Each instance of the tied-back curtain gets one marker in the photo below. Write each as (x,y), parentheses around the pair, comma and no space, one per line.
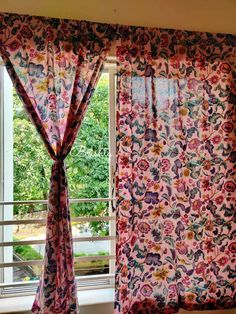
(54,65)
(176,175)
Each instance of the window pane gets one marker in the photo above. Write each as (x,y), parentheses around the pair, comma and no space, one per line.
(88,162)
(88,177)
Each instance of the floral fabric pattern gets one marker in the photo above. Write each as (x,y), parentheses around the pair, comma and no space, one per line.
(54,65)
(176,171)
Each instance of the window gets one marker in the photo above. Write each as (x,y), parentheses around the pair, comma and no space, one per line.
(25,172)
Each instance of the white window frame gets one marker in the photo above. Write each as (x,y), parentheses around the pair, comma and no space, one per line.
(8,288)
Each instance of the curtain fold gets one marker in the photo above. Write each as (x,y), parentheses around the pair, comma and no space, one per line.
(176,179)
(54,65)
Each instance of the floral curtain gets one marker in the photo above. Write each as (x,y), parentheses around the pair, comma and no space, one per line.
(54,65)
(176,174)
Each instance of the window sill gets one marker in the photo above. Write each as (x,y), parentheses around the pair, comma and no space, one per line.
(86,298)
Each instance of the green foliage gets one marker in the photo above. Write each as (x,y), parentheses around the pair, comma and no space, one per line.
(27,253)
(31,161)
(87,163)
(102,253)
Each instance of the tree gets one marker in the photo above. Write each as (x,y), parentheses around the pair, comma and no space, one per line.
(87,164)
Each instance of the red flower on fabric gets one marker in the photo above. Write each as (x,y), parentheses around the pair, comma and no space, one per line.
(223,261)
(124,160)
(144,227)
(225,68)
(124,271)
(207,165)
(216,139)
(201,267)
(26,32)
(122,225)
(208,244)
(219,200)
(232,247)
(146,290)
(14,45)
(230,186)
(194,143)
(214,79)
(228,127)
(196,204)
(143,164)
(206,184)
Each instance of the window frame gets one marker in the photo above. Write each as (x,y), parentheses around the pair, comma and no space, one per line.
(8,288)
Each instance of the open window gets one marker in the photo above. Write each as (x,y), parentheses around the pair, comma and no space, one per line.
(25,171)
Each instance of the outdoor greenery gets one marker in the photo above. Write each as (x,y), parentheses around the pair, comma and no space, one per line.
(87,164)
(27,253)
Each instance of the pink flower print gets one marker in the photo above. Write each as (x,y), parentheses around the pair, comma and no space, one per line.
(186,281)
(194,143)
(165,165)
(146,290)
(196,205)
(192,84)
(182,247)
(172,291)
(216,139)
(180,185)
(168,227)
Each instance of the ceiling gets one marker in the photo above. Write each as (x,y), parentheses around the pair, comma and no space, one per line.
(198,15)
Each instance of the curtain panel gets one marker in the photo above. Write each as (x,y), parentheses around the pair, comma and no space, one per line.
(54,65)
(176,173)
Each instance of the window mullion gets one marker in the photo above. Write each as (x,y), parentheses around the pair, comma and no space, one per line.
(112,159)
(7,170)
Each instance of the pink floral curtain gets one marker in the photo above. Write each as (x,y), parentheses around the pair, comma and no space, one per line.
(54,65)
(176,175)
